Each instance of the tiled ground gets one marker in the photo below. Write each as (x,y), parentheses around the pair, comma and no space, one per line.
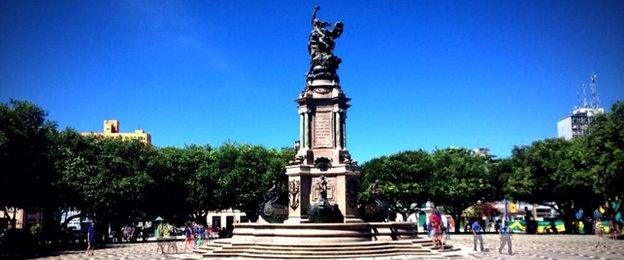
(543,247)
(525,247)
(124,251)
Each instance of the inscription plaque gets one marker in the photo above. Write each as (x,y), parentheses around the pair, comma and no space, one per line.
(323,129)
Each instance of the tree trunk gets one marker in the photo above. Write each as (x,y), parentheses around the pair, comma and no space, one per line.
(404,215)
(569,224)
(458,225)
(13,220)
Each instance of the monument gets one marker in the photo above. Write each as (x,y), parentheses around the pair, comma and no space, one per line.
(323,183)
(322,155)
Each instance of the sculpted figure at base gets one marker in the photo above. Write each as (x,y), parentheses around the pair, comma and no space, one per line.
(376,209)
(324,211)
(274,209)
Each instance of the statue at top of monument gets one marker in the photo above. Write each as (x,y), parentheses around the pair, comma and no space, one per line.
(321,43)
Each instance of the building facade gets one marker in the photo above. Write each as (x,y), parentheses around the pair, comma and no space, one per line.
(577,123)
(225,218)
(112,130)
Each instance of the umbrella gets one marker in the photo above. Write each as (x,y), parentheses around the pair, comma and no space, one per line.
(158,219)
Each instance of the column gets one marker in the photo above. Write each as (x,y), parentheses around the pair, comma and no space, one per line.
(306,122)
(338,126)
(301,132)
(344,130)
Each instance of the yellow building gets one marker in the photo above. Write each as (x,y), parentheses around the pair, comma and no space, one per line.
(111,130)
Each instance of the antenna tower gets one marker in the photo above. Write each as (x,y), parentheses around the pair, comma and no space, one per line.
(595,102)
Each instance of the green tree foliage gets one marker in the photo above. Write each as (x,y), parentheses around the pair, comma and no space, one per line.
(184,183)
(402,180)
(108,178)
(605,144)
(554,172)
(117,181)
(460,179)
(246,173)
(25,157)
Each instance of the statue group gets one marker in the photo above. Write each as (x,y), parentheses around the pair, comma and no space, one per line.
(321,43)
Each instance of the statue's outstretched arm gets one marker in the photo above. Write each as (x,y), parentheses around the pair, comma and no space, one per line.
(316,8)
(338,28)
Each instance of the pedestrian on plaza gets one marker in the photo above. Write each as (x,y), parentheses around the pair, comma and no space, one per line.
(446,228)
(436,228)
(476,234)
(222,233)
(209,232)
(159,234)
(451,224)
(188,236)
(598,229)
(613,229)
(505,238)
(172,245)
(497,226)
(90,238)
(199,235)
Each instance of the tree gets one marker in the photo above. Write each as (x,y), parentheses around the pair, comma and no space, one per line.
(25,159)
(605,144)
(402,180)
(184,183)
(553,172)
(246,173)
(107,179)
(460,179)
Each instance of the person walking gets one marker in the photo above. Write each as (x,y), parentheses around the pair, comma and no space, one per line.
(159,234)
(497,226)
(446,228)
(476,234)
(209,232)
(90,238)
(172,244)
(598,230)
(613,229)
(505,238)
(188,236)
(199,235)
(435,229)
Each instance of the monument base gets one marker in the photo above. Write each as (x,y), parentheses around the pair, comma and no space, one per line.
(323,241)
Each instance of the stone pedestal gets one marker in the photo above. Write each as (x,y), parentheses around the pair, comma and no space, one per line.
(322,153)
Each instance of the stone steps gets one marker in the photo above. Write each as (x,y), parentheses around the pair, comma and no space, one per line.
(393,249)
(210,246)
(360,251)
(354,250)
(323,250)
(320,245)
(328,256)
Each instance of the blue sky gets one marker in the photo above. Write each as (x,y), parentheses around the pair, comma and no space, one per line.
(422,74)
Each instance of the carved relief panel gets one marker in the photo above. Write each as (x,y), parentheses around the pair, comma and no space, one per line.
(293,193)
(315,194)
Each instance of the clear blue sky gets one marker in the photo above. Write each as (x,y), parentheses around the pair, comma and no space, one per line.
(422,74)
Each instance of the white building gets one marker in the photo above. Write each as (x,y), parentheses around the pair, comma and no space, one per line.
(577,123)
(225,218)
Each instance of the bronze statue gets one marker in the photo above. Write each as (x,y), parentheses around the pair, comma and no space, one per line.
(321,43)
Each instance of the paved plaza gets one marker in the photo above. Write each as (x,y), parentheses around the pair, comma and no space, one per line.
(543,247)
(525,247)
(125,251)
